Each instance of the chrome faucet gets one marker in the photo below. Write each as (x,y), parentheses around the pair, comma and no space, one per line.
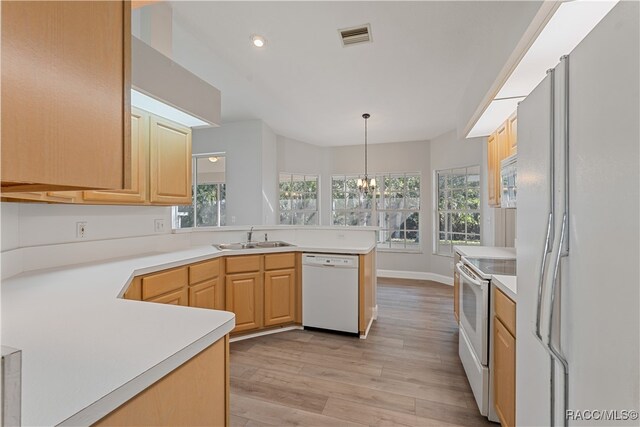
(250,234)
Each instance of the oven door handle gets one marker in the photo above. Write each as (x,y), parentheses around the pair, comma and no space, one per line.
(467,277)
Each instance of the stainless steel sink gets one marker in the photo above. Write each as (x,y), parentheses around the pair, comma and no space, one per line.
(277,244)
(251,245)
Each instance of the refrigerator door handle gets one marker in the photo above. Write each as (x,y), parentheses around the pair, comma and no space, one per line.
(543,269)
(557,355)
(548,245)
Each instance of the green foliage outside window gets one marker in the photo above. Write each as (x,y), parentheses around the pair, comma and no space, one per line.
(298,204)
(458,208)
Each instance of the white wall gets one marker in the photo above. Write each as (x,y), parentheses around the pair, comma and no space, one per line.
(449,151)
(270,196)
(250,167)
(503,41)
(34,224)
(302,158)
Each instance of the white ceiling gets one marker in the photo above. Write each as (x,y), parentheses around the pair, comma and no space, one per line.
(305,85)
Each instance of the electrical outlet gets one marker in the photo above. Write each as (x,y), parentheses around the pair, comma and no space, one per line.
(158,225)
(81,230)
(341,236)
(233,219)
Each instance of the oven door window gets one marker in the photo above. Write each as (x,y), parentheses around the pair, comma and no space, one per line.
(474,317)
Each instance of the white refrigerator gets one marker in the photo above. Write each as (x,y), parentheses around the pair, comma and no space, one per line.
(578,307)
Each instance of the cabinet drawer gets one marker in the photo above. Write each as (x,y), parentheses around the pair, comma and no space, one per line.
(243,264)
(163,282)
(279,261)
(505,310)
(204,271)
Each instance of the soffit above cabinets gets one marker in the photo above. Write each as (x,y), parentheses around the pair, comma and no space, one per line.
(155,76)
(569,24)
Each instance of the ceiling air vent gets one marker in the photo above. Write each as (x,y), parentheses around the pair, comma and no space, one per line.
(355,35)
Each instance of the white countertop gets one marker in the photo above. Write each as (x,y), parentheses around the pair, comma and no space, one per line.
(507,284)
(486,252)
(85,351)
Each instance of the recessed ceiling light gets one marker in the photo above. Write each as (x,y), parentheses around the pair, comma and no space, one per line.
(258,41)
(213,159)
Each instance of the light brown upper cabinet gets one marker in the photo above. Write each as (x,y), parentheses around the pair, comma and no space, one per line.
(513,134)
(137,192)
(65,95)
(493,170)
(170,143)
(170,166)
(500,145)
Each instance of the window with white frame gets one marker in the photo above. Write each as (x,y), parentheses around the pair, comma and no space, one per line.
(347,206)
(396,209)
(298,199)
(208,208)
(458,209)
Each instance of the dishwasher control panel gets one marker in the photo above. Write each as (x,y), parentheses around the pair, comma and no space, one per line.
(332,261)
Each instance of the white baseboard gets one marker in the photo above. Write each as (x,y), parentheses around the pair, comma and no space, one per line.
(268,332)
(416,275)
(366,332)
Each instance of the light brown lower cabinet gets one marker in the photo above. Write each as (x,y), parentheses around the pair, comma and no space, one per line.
(205,295)
(279,296)
(504,369)
(245,299)
(195,394)
(177,297)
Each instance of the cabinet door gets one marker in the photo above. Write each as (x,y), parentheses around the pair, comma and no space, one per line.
(244,298)
(279,296)
(170,162)
(493,174)
(504,373)
(177,297)
(513,134)
(65,95)
(137,193)
(206,295)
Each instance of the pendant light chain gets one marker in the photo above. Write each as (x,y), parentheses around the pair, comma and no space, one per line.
(365,147)
(365,185)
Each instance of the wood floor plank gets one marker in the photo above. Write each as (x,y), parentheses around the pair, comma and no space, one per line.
(352,365)
(236,421)
(451,414)
(406,373)
(358,394)
(279,415)
(259,361)
(350,411)
(294,398)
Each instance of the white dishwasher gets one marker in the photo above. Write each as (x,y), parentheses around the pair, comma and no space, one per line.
(330,292)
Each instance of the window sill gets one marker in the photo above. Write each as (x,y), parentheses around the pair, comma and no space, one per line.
(399,250)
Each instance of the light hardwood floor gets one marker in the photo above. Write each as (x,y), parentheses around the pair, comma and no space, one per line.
(407,372)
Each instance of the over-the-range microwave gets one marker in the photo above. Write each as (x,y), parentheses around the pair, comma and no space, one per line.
(509,181)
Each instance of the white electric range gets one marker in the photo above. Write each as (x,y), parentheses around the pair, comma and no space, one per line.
(475,324)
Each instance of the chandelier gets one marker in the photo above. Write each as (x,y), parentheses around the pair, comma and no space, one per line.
(366,185)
